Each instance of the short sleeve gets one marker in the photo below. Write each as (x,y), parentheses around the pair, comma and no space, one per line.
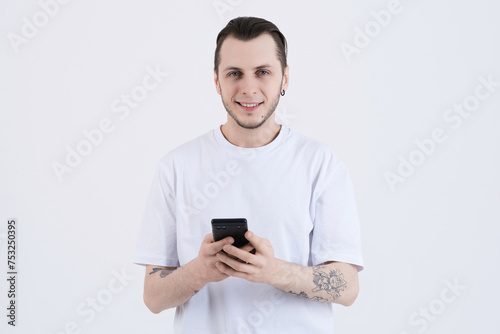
(336,234)
(156,244)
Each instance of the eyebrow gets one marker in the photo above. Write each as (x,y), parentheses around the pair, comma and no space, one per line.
(234,68)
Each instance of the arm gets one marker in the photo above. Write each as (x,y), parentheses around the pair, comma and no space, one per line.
(333,282)
(163,289)
(167,287)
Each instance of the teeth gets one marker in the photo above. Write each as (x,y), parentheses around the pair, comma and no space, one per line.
(249,105)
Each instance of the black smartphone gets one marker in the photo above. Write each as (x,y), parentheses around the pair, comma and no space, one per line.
(230,227)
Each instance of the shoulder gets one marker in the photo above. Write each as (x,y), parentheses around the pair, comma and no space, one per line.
(185,152)
(313,149)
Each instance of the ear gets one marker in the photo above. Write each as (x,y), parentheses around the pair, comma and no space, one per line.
(216,81)
(284,83)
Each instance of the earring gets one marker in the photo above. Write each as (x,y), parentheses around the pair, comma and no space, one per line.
(283,93)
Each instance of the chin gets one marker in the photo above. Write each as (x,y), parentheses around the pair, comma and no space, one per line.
(249,125)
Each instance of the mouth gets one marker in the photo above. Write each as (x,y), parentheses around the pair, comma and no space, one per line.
(250,106)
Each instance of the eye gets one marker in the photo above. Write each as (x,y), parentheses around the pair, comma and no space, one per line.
(233,74)
(263,72)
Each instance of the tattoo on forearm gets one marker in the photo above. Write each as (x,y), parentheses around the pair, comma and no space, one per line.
(319,299)
(163,272)
(304,295)
(332,282)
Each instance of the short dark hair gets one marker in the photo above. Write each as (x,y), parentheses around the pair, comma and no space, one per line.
(246,28)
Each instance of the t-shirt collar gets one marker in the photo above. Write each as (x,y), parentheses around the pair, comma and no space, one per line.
(221,140)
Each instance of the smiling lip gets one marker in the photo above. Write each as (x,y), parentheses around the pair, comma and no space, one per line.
(249,106)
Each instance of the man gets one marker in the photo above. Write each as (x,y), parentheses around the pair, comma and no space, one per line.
(304,250)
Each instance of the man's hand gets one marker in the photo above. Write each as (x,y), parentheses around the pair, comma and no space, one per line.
(259,267)
(165,288)
(331,282)
(204,264)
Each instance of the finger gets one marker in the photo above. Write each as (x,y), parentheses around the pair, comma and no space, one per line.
(235,265)
(231,256)
(208,238)
(261,245)
(248,248)
(225,269)
(216,246)
(243,255)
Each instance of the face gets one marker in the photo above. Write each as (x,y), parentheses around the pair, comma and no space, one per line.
(250,80)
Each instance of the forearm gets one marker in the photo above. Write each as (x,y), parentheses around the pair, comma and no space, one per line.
(164,289)
(335,282)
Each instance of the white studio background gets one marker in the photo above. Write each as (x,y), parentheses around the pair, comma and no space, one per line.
(409,100)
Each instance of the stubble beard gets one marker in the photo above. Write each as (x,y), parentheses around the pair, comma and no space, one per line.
(272,108)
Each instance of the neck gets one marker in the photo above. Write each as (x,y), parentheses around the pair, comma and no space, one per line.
(250,138)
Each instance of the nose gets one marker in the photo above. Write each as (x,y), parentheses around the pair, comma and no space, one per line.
(249,85)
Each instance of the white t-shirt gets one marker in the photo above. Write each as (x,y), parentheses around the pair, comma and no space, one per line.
(294,191)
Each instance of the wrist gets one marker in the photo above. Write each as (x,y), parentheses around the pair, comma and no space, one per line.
(197,282)
(281,278)
(288,276)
